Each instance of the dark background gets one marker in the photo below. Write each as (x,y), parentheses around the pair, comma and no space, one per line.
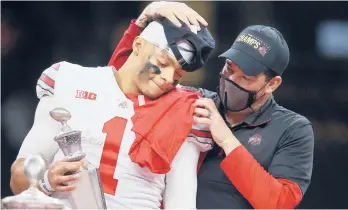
(34,35)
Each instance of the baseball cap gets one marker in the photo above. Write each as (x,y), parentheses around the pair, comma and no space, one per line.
(188,45)
(258,48)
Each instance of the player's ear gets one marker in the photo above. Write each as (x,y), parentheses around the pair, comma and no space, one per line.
(137,45)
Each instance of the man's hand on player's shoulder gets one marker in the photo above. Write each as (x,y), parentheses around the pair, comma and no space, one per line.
(174,11)
(206,113)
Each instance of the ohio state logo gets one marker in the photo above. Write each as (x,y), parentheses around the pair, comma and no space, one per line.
(255,139)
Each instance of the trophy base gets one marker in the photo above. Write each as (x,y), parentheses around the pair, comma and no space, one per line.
(31,199)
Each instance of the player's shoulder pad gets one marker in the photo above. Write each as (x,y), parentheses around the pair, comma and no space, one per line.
(201,136)
(46,83)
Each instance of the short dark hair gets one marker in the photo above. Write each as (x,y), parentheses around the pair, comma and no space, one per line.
(269,73)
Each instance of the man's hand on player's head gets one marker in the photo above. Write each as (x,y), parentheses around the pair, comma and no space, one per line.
(174,11)
(57,177)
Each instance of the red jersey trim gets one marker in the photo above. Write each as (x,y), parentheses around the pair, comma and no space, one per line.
(47,80)
(259,187)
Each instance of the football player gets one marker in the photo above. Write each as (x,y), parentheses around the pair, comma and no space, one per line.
(135,122)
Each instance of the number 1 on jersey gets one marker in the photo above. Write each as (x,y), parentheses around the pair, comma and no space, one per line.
(114,130)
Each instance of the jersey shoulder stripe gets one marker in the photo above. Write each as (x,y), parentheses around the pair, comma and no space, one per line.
(46,83)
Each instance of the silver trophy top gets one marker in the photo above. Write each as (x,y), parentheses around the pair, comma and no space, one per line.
(61,115)
(32,198)
(34,168)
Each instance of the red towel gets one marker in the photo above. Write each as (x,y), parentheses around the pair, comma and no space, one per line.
(161,127)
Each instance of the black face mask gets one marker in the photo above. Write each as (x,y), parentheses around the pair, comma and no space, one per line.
(235,98)
(203,43)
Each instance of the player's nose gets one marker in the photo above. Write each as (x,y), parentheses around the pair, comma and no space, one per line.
(167,76)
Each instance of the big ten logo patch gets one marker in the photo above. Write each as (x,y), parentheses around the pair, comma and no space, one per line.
(86,95)
(254,42)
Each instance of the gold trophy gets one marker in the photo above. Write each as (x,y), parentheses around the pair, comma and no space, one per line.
(89,191)
(32,198)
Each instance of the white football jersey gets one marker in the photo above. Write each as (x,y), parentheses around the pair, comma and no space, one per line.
(104,115)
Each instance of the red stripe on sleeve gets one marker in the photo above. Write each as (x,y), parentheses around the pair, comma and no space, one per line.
(259,187)
(47,80)
(200,133)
